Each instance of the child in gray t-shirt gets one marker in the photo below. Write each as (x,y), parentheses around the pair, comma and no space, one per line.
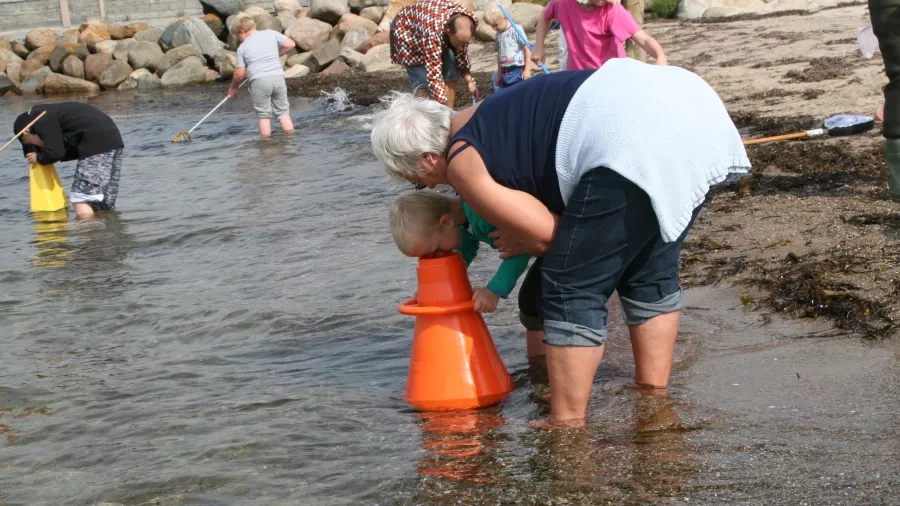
(513,55)
(258,61)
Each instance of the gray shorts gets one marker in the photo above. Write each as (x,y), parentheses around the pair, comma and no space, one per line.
(97,180)
(270,96)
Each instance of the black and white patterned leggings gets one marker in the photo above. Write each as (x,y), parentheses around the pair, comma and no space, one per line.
(97,180)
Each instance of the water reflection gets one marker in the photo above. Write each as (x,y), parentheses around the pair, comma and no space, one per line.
(50,239)
(457,446)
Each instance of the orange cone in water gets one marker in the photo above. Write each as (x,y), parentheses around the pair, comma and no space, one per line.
(454,364)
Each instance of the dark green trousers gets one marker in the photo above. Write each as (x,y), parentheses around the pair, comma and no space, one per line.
(886,25)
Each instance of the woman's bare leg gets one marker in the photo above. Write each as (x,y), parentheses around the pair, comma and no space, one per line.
(571,370)
(653,345)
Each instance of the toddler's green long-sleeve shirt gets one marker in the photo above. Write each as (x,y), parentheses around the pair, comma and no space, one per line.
(476,230)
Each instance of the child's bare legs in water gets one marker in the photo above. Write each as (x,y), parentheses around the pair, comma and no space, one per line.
(265,125)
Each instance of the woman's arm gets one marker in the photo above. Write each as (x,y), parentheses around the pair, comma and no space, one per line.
(649,44)
(511,211)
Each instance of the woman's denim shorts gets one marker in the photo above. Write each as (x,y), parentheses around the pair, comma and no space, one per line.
(607,240)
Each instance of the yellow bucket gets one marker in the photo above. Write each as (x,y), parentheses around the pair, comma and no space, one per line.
(46,191)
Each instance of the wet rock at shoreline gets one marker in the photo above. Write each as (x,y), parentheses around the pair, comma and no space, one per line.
(352,58)
(42,54)
(296,71)
(141,79)
(176,56)
(30,67)
(58,84)
(31,83)
(225,62)
(6,84)
(115,73)
(191,70)
(14,73)
(337,68)
(145,55)
(95,64)
(64,50)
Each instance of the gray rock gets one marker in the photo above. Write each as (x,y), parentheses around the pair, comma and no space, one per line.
(374,14)
(355,38)
(485,33)
(526,15)
(305,59)
(141,79)
(358,5)
(40,38)
(189,71)
(56,84)
(267,22)
(329,11)
(296,71)
(63,51)
(115,73)
(309,33)
(70,36)
(225,62)
(253,10)
(145,55)
(326,53)
(351,58)
(151,34)
(6,84)
(42,54)
(349,21)
(29,67)
(286,20)
(221,8)
(166,39)
(30,85)
(95,64)
(72,66)
(107,46)
(176,56)
(378,58)
(7,56)
(20,50)
(14,73)
(291,7)
(122,48)
(194,31)
(336,68)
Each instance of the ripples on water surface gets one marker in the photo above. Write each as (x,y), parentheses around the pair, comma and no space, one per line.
(230,336)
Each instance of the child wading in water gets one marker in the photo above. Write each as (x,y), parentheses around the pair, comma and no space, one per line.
(595,31)
(513,55)
(428,223)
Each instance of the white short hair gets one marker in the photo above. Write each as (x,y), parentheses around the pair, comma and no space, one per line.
(409,128)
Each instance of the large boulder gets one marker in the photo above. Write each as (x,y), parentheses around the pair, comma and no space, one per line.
(373,14)
(286,20)
(64,50)
(107,46)
(211,75)
(267,22)
(291,7)
(355,38)
(296,71)
(166,41)
(255,10)
(115,73)
(214,23)
(42,54)
(379,39)
(145,55)
(151,34)
(326,53)
(305,59)
(20,50)
(40,38)
(309,33)
(141,79)
(92,33)
(358,5)
(194,31)
(95,65)
(14,73)
(176,56)
(72,66)
(349,21)
(336,68)
(122,48)
(6,84)
(7,56)
(70,36)
(29,67)
(30,84)
(526,15)
(225,62)
(222,8)
(189,71)
(352,58)
(329,11)
(485,33)
(378,58)
(56,84)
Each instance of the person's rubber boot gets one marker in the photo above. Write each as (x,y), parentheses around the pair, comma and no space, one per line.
(892,154)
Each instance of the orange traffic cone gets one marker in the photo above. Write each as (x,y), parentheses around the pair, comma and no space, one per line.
(454,364)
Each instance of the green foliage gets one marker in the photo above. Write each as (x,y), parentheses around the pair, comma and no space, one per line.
(665,8)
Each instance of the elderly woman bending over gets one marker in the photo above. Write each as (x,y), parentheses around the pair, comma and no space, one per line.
(603,185)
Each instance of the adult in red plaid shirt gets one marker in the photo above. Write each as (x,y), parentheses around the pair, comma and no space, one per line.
(429,38)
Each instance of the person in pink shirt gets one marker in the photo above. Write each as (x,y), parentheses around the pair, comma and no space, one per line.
(595,31)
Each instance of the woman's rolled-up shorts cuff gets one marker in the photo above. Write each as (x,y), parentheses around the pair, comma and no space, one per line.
(531,322)
(637,312)
(571,334)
